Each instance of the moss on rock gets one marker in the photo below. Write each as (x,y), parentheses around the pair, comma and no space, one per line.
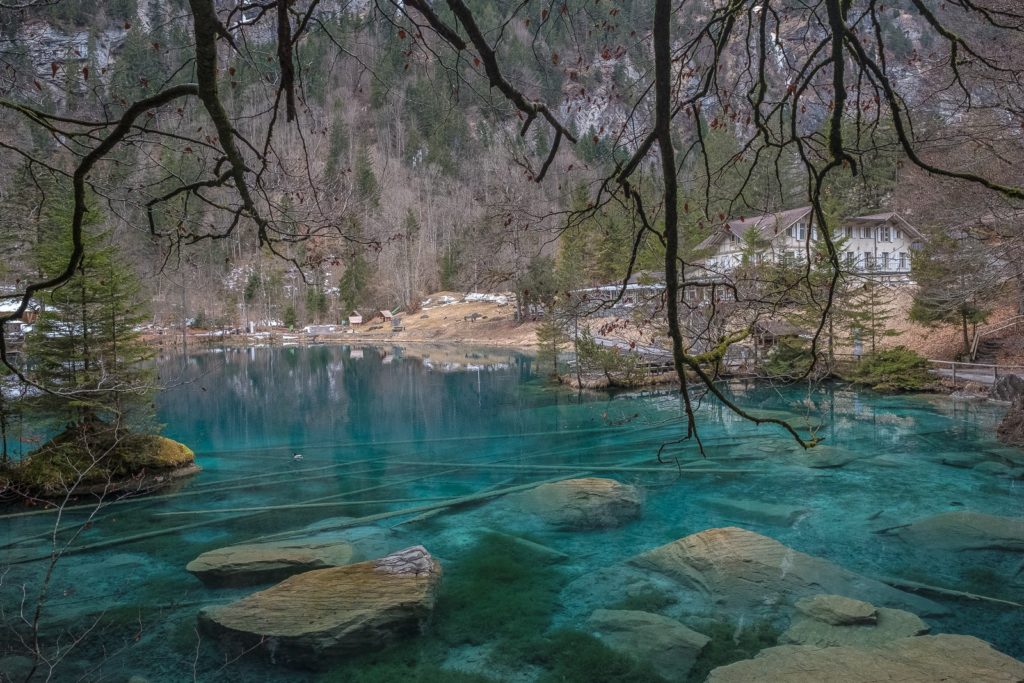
(83,458)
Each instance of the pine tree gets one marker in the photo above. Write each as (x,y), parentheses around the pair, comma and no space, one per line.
(869,311)
(353,283)
(367,189)
(85,347)
(957,283)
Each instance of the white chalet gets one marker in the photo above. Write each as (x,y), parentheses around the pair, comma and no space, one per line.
(879,245)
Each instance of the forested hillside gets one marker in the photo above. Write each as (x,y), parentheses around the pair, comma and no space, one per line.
(404,174)
(409,177)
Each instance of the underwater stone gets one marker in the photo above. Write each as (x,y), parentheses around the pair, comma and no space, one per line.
(823,457)
(922,659)
(838,610)
(996,468)
(669,647)
(317,547)
(832,620)
(739,570)
(245,565)
(756,511)
(962,460)
(587,503)
(543,553)
(312,619)
(965,530)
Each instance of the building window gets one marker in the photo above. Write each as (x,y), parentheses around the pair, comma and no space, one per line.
(885,260)
(904,261)
(869,260)
(897,234)
(814,234)
(849,259)
(797,231)
(849,233)
(691,294)
(885,234)
(865,233)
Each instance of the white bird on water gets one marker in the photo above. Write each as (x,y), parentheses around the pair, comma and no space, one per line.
(296,456)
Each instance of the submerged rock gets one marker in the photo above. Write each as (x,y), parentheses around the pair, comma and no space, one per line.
(923,659)
(756,511)
(543,553)
(313,618)
(838,610)
(965,530)
(244,565)
(253,563)
(996,468)
(823,457)
(587,503)
(961,460)
(832,620)
(739,570)
(669,647)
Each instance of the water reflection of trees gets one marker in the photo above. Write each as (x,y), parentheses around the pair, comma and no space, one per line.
(326,395)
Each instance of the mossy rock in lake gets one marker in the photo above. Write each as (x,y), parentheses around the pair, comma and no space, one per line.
(88,460)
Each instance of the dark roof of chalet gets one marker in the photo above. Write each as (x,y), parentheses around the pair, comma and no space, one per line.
(767,225)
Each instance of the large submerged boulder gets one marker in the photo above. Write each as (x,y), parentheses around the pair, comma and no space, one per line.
(964,530)
(923,659)
(254,563)
(833,620)
(669,647)
(587,503)
(244,565)
(755,511)
(739,570)
(319,616)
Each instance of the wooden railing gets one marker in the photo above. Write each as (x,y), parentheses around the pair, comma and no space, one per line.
(969,372)
(992,329)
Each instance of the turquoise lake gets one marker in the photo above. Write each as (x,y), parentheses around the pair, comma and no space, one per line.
(382,429)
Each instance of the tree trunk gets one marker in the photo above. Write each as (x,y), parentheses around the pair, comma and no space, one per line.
(967,344)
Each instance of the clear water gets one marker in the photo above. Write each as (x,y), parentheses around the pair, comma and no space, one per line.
(381,424)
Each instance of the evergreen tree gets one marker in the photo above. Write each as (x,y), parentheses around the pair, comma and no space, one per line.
(957,283)
(869,310)
(551,339)
(85,347)
(353,284)
(316,303)
(367,189)
(337,150)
